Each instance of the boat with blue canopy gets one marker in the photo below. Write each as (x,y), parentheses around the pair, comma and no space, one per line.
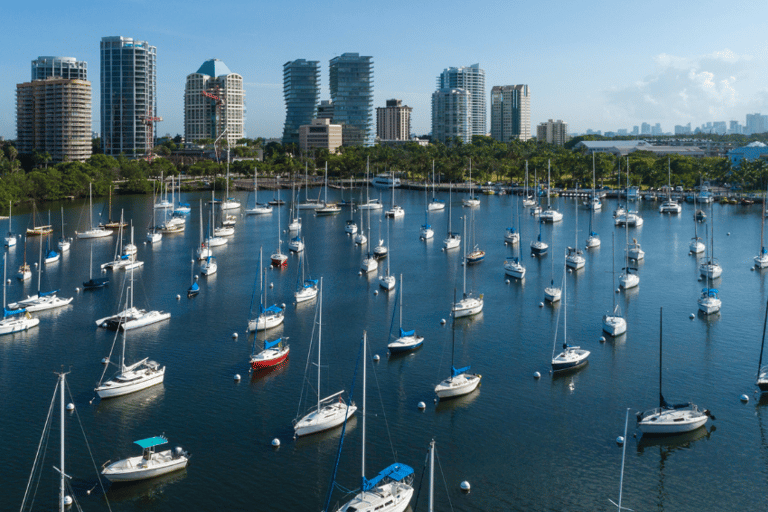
(408,340)
(149,464)
(274,353)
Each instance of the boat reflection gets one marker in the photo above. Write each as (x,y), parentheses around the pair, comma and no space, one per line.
(132,403)
(261,377)
(144,490)
(326,435)
(459,402)
(669,444)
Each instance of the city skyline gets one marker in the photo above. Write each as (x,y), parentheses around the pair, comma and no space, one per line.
(585,72)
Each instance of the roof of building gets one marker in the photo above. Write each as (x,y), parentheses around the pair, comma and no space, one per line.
(602,144)
(214,68)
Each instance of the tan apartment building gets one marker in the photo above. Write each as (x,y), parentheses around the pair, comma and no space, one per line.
(320,134)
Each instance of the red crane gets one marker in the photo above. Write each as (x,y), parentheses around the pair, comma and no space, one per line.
(149,121)
(217,102)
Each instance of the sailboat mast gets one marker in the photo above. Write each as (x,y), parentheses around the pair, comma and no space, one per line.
(464,250)
(365,368)
(62,491)
(661,396)
(526,179)
(431,475)
(326,184)
(453,336)
(565,309)
(319,345)
(401,302)
(549,183)
(40,267)
(90,203)
(613,268)
(762,226)
(623,455)
(762,346)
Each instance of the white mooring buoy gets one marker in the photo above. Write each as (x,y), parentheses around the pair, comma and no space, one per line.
(744,398)
(602,339)
(620,440)
(541,304)
(376,358)
(536,375)
(692,316)
(276,442)
(442,321)
(67,500)
(178,297)
(77,290)
(465,487)
(422,406)
(237,377)
(507,281)
(70,406)
(234,335)
(271,285)
(375,292)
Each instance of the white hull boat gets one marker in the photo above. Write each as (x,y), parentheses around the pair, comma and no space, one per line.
(468,306)
(133,378)
(149,465)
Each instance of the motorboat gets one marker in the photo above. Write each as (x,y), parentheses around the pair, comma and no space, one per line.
(709,302)
(151,463)
(268,316)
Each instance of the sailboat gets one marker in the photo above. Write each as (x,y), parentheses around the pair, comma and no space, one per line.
(274,353)
(396,211)
(133,377)
(382,250)
(539,247)
(435,204)
(571,357)
(709,302)
(550,214)
(761,260)
(229,203)
(129,255)
(670,419)
(392,488)
(164,202)
(369,204)
(360,237)
(552,293)
(93,284)
(593,240)
(620,210)
(36,230)
(94,232)
(306,288)
(18,320)
(426,232)
(670,205)
(351,227)
(370,263)
(64,243)
(177,222)
(468,305)
(408,340)
(574,258)
(452,240)
(513,266)
(151,463)
(153,233)
(476,255)
(327,208)
(613,323)
(536,207)
(258,208)
(294,221)
(210,266)
(635,251)
(512,235)
(42,300)
(627,279)
(593,203)
(629,217)
(279,259)
(194,288)
(528,200)
(471,202)
(709,266)
(181,208)
(132,317)
(308,204)
(51,256)
(762,373)
(24,272)
(111,224)
(387,281)
(329,412)
(119,260)
(460,382)
(296,244)
(10,238)
(268,317)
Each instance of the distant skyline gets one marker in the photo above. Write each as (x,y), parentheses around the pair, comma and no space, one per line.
(599,65)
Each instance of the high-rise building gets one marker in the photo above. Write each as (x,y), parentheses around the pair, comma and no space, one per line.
(645,129)
(325,110)
(393,122)
(472,80)
(128,96)
(756,123)
(553,132)
(635,130)
(214,101)
(62,67)
(656,129)
(301,91)
(451,115)
(510,113)
(54,116)
(351,84)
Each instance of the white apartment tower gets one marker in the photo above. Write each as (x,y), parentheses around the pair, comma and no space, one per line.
(451,115)
(393,122)
(553,132)
(510,113)
(472,80)
(214,101)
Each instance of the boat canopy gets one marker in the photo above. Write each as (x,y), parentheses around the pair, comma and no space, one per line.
(45,294)
(51,254)
(271,309)
(270,344)
(151,441)
(455,372)
(194,286)
(403,333)
(712,292)
(7,312)
(395,472)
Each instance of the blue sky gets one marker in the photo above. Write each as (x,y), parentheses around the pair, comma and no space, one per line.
(594,64)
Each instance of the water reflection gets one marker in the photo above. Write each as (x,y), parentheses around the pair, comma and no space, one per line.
(460,402)
(145,491)
(129,405)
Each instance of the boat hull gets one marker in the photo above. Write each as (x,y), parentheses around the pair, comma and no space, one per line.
(131,470)
(664,422)
(405,344)
(11,325)
(267,362)
(457,386)
(467,307)
(111,391)
(330,416)
(614,325)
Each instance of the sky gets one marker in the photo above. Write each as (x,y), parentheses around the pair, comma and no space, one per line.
(594,64)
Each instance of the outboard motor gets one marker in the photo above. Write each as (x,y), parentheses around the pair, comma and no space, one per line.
(707,412)
(178,452)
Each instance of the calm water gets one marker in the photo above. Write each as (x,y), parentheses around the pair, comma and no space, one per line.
(523,444)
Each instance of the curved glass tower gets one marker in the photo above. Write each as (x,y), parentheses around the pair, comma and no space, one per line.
(301,90)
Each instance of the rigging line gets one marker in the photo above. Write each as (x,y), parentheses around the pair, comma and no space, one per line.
(421,480)
(46,427)
(384,412)
(109,357)
(306,382)
(87,445)
(445,483)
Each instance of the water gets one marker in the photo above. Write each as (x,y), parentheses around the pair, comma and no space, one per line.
(522,443)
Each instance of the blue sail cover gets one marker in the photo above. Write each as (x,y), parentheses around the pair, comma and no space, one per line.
(51,254)
(195,287)
(403,333)
(712,292)
(271,309)
(45,294)
(395,472)
(455,372)
(124,257)
(309,283)
(151,441)
(7,312)
(270,344)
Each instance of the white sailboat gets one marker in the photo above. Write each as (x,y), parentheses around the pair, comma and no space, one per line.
(331,411)
(229,203)
(628,217)
(709,301)
(528,200)
(369,204)
(709,267)
(153,233)
(452,240)
(360,237)
(327,208)
(294,221)
(269,316)
(151,463)
(436,204)
(258,208)
(18,320)
(391,489)
(670,205)
(550,215)
(296,243)
(64,243)
(571,357)
(697,245)
(670,419)
(381,250)
(468,305)
(635,251)
(396,211)
(308,204)
(129,252)
(613,322)
(94,232)
(593,203)
(513,266)
(370,263)
(177,221)
(164,202)
(408,340)
(10,238)
(42,300)
(130,378)
(761,260)
(387,281)
(306,288)
(512,236)
(471,201)
(119,260)
(552,293)
(203,250)
(593,240)
(627,279)
(574,258)
(460,382)
(209,266)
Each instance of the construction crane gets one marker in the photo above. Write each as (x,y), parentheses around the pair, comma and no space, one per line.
(149,121)
(217,102)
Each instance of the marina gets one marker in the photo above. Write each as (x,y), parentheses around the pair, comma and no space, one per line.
(524,443)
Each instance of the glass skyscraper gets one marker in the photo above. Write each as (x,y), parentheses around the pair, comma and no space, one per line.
(128,95)
(62,67)
(471,79)
(351,84)
(301,90)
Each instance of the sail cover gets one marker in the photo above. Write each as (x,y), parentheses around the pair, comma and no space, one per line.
(395,472)
(404,334)
(455,372)
(270,344)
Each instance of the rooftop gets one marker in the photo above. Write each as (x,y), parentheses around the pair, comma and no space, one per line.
(214,68)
